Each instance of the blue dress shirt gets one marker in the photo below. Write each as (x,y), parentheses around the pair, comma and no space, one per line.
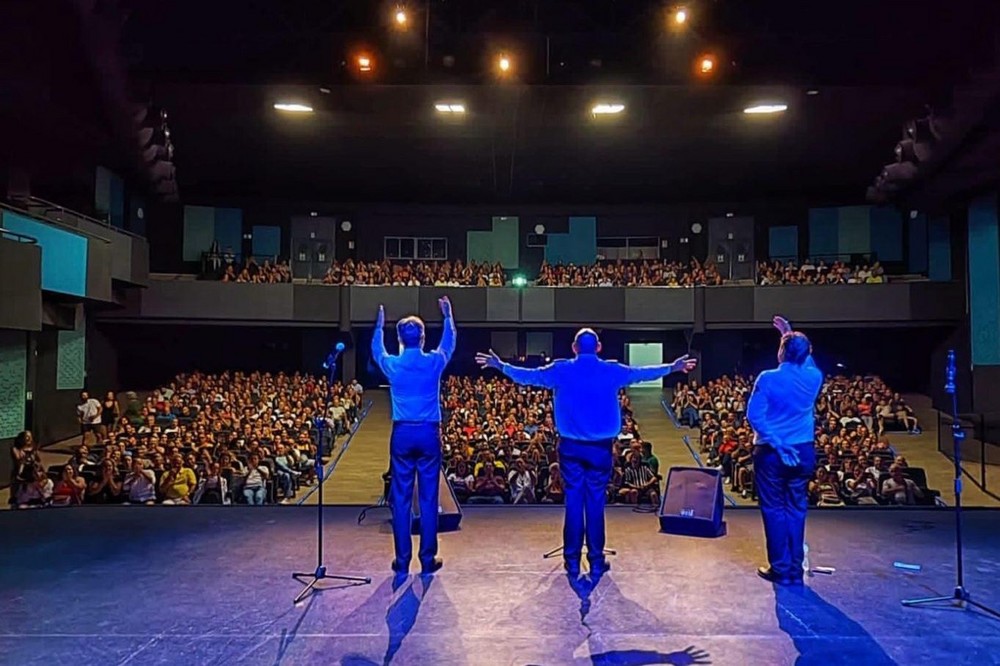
(782,405)
(585,392)
(415,376)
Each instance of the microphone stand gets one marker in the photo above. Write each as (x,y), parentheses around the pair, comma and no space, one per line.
(961,598)
(311,579)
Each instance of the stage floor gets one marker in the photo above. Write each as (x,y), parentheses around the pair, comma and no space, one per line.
(172,585)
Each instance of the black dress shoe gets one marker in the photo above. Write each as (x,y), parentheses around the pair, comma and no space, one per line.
(768,574)
(432,566)
(599,567)
(400,567)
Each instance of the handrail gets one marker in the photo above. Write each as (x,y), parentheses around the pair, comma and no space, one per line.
(58,223)
(20,238)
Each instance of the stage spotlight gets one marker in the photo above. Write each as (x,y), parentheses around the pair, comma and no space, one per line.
(705,64)
(400,18)
(607,109)
(450,107)
(680,16)
(293,107)
(765,109)
(364,63)
(503,64)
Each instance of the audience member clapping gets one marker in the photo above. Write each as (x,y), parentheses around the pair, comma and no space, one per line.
(269,272)
(416,274)
(818,273)
(642,273)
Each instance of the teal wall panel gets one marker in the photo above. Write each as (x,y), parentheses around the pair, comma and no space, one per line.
(13,373)
(939,249)
(71,360)
(854,234)
(886,233)
(266,241)
(229,228)
(823,235)
(917,243)
(984,279)
(577,246)
(199,231)
(783,243)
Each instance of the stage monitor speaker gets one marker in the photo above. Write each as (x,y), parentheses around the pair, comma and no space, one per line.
(692,504)
(449,510)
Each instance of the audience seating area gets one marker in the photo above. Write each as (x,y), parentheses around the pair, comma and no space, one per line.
(856,464)
(500,446)
(415,274)
(818,272)
(634,273)
(228,438)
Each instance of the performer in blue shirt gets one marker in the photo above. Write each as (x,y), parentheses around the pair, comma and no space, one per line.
(415,446)
(588,419)
(781,412)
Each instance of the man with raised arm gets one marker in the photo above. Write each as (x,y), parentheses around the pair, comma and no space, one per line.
(415,445)
(588,419)
(781,412)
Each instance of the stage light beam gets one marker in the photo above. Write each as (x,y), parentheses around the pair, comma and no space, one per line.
(680,16)
(400,17)
(293,107)
(504,63)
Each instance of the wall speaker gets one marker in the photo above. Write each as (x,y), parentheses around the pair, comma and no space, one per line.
(692,504)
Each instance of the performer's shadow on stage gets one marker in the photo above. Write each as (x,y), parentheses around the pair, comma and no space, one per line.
(822,633)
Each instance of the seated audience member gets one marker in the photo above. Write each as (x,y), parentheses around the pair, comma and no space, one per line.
(824,490)
(81,460)
(649,459)
(139,486)
(37,493)
(255,483)
(522,484)
(213,487)
(862,487)
(70,488)
(639,483)
(489,487)
(106,488)
(554,492)
(462,481)
(177,483)
(898,489)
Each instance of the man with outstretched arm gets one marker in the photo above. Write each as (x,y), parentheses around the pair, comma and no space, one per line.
(781,412)
(415,445)
(588,419)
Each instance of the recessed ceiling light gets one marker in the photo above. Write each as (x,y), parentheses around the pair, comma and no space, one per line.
(605,108)
(325,91)
(766,108)
(293,107)
(449,107)
(812,91)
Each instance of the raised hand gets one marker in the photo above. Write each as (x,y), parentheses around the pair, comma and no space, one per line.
(380,320)
(684,364)
(489,360)
(445,304)
(782,325)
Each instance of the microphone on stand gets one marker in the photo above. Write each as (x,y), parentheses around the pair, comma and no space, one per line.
(331,358)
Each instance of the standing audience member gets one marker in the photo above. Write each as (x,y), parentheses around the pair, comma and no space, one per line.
(25,459)
(88,413)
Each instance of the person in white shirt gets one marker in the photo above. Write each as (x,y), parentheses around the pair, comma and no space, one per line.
(140,484)
(37,493)
(88,413)
(898,489)
(521,483)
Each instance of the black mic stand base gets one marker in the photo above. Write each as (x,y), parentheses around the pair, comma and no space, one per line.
(559,549)
(311,579)
(961,599)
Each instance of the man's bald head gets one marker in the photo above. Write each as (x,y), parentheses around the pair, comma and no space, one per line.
(586,342)
(410,331)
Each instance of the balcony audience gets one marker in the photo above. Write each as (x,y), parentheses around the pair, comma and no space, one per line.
(415,274)
(638,273)
(818,273)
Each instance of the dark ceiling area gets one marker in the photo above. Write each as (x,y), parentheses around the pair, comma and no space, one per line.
(851,73)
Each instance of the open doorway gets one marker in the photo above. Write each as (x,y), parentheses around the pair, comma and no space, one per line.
(645,353)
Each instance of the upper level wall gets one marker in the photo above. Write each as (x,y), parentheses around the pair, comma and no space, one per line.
(702,307)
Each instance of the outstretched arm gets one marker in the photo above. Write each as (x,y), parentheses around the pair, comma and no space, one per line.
(785,328)
(378,339)
(645,373)
(447,346)
(543,377)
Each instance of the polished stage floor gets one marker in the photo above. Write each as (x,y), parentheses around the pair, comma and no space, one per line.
(172,585)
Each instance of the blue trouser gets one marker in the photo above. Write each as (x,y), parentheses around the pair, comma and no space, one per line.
(784,499)
(586,469)
(414,453)
(255,496)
